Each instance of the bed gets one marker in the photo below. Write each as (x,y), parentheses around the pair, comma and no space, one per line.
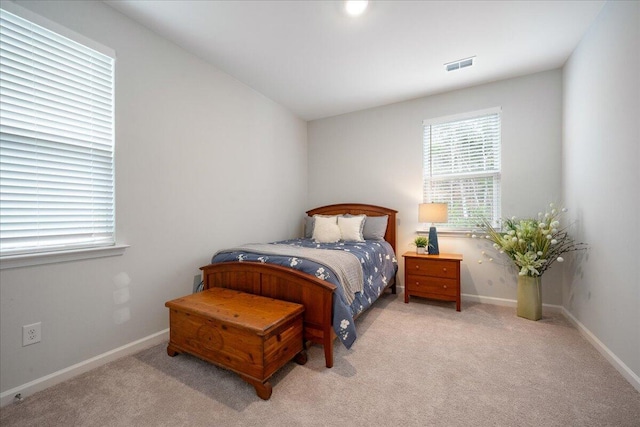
(329,313)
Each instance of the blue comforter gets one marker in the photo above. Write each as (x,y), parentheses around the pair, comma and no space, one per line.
(379,266)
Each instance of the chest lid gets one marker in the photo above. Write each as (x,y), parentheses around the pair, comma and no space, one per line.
(256,313)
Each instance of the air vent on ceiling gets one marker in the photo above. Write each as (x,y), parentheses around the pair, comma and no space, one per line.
(461,63)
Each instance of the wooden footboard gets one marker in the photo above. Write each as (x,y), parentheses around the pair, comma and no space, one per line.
(282,283)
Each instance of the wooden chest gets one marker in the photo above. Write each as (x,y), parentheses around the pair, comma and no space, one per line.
(251,335)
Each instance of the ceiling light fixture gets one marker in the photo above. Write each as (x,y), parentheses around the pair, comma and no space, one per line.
(356,7)
(460,63)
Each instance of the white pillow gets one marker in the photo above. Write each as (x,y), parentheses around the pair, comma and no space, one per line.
(351,228)
(325,229)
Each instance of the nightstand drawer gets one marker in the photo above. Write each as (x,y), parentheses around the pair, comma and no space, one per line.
(434,268)
(431,285)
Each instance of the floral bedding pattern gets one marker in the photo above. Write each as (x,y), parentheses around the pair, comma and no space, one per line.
(379,266)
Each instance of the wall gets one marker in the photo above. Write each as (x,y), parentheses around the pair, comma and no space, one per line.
(202,162)
(375,156)
(602,181)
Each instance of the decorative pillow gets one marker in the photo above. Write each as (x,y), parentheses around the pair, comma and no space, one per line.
(351,228)
(308,227)
(375,227)
(325,229)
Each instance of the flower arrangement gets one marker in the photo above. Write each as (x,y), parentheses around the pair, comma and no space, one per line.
(533,244)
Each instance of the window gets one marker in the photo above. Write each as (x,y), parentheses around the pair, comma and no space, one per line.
(56,141)
(462,167)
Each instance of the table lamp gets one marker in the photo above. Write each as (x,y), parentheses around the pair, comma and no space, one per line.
(432,212)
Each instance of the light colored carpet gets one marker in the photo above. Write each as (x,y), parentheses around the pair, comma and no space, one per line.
(416,364)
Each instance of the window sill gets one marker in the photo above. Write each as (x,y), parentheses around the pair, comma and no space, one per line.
(449,233)
(28,260)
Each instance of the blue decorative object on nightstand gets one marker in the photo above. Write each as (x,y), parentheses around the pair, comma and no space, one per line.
(433,242)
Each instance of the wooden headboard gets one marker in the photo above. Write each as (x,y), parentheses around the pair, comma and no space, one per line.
(359,209)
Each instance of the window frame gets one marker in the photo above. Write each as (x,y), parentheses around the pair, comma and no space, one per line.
(495,174)
(46,255)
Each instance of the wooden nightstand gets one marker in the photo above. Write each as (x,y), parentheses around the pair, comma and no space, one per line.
(432,276)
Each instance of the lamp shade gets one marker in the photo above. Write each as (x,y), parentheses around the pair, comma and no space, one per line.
(433,212)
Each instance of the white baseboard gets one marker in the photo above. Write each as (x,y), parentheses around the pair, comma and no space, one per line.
(506,302)
(624,370)
(488,300)
(82,367)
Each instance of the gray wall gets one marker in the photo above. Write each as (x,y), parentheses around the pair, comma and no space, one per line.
(375,156)
(602,180)
(202,162)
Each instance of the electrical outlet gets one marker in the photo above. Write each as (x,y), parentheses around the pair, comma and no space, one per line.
(31,334)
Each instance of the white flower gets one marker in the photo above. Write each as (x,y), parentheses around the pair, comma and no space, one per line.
(344,324)
(473,236)
(320,274)
(554,241)
(564,209)
(549,236)
(539,253)
(560,259)
(550,205)
(479,261)
(515,239)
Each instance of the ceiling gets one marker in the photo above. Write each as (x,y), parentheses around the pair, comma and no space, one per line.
(317,61)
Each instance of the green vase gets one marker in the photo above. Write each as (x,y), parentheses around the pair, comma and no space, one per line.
(529,297)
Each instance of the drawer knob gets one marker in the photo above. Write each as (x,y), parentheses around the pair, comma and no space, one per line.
(444,269)
(417,267)
(445,286)
(417,283)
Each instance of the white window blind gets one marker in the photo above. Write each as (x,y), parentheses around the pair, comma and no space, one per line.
(462,168)
(56,141)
